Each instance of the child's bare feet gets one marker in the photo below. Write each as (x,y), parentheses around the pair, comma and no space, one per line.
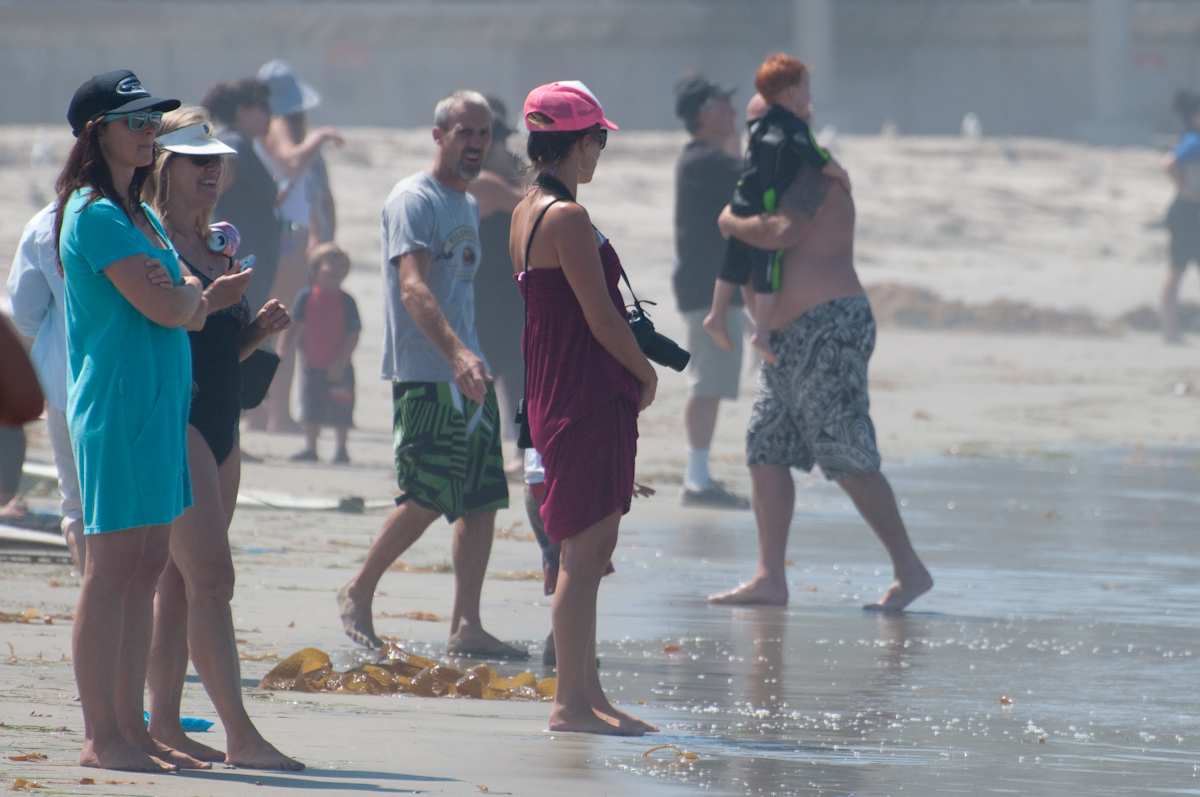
(714,325)
(760,344)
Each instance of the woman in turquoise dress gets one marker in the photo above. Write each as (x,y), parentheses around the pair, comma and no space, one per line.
(129,389)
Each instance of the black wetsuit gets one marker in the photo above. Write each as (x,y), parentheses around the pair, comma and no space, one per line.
(216,374)
(780,143)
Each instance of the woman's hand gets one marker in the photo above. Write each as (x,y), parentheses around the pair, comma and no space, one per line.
(157,275)
(272,318)
(649,389)
(228,289)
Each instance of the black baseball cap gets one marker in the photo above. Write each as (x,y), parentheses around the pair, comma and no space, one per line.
(692,92)
(118,91)
(501,129)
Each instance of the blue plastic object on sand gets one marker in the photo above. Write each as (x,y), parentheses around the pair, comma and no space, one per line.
(189,724)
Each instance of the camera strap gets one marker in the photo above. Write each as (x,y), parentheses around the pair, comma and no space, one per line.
(555,187)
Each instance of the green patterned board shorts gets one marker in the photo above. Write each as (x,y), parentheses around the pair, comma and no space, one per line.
(447,449)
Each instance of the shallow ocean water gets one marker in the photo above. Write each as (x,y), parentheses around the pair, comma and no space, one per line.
(1059,652)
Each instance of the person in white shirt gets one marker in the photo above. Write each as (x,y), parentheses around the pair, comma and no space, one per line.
(35,288)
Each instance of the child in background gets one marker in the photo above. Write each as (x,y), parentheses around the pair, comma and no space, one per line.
(781,142)
(325,325)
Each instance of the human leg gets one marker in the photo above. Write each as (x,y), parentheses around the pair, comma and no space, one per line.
(714,322)
(404,525)
(584,558)
(472,547)
(875,501)
(773,497)
(68,486)
(97,642)
(1170,305)
(200,549)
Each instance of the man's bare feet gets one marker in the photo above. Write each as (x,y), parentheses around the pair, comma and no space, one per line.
(471,640)
(903,591)
(260,754)
(760,344)
(564,720)
(120,754)
(176,739)
(715,327)
(356,620)
(755,592)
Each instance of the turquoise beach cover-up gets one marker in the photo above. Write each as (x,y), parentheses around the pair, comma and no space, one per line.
(130,380)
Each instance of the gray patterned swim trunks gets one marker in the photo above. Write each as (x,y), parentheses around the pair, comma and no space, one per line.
(812,406)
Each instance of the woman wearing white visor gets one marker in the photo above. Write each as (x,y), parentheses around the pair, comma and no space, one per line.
(191,608)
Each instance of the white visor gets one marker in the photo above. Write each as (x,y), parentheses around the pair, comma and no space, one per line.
(197,139)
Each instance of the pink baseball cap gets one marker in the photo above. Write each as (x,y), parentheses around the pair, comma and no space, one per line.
(564,106)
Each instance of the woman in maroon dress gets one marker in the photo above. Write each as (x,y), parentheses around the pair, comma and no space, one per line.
(586,381)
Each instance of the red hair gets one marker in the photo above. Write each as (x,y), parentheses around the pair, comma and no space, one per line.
(777,73)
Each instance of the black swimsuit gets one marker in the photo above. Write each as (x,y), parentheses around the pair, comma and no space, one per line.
(216,374)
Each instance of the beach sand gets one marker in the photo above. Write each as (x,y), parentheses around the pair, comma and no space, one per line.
(980,427)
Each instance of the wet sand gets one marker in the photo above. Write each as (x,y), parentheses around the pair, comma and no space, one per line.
(1065,583)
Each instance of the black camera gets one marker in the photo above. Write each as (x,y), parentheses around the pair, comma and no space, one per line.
(655,345)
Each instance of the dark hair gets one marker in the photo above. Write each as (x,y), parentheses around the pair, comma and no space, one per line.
(297,125)
(546,148)
(87,168)
(224,99)
(1186,104)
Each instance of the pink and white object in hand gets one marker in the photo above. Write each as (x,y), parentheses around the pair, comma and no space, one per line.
(223,238)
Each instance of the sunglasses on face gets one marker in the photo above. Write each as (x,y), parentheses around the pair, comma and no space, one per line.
(138,120)
(200,161)
(600,136)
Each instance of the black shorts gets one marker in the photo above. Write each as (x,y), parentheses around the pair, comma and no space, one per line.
(1183,224)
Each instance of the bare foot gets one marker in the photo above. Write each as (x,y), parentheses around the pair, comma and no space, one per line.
(564,720)
(715,327)
(176,739)
(903,591)
(161,752)
(119,754)
(471,640)
(260,754)
(755,592)
(356,620)
(605,708)
(15,509)
(763,348)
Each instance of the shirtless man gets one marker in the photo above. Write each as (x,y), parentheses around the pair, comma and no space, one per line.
(813,407)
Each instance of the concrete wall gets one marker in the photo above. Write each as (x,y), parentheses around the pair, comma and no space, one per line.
(1022,65)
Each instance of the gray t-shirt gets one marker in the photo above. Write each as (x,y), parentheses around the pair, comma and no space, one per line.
(423,214)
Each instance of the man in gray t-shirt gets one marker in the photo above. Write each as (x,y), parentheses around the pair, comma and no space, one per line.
(445,417)
(425,215)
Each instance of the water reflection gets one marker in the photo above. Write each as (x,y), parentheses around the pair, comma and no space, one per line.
(1066,584)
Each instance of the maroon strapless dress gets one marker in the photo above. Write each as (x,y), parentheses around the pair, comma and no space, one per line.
(581,403)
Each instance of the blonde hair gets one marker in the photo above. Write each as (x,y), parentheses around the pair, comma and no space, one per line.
(157,190)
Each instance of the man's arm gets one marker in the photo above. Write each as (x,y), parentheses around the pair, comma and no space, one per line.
(469,373)
(785,229)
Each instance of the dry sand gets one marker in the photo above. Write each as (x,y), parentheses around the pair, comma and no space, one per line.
(1061,231)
